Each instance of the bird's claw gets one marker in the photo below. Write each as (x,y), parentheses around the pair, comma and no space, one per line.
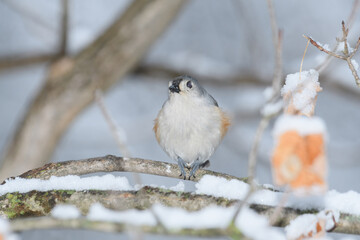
(181,164)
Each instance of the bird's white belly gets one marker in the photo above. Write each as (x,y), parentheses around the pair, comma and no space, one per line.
(189,132)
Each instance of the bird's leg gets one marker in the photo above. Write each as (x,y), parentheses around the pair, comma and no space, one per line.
(194,167)
(181,164)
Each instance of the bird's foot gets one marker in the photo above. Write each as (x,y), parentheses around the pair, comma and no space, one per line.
(181,164)
(194,167)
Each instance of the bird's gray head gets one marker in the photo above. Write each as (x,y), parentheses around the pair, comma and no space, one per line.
(188,86)
(184,85)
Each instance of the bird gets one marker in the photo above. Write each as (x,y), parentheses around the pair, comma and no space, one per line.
(190,125)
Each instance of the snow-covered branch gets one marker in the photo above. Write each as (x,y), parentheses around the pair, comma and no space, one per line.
(36,203)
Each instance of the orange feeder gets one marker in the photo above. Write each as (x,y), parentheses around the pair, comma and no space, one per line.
(299,160)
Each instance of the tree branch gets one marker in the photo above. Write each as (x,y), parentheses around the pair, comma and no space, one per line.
(31,204)
(13,61)
(112,163)
(64,28)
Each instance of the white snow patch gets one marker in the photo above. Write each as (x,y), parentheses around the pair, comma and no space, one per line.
(248,221)
(341,48)
(320,58)
(65,212)
(268,93)
(306,223)
(106,182)
(303,224)
(168,170)
(180,187)
(220,187)
(256,226)
(302,90)
(235,189)
(209,217)
(325,45)
(355,64)
(272,108)
(136,217)
(302,124)
(5,231)
(344,202)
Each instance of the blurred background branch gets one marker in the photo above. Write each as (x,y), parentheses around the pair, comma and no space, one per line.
(71,83)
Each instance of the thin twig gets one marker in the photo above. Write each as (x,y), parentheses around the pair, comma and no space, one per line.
(275,216)
(29,15)
(323,49)
(64,28)
(302,60)
(121,144)
(351,17)
(241,204)
(346,55)
(254,149)
(276,86)
(355,49)
(14,61)
(350,20)
(277,36)
(110,121)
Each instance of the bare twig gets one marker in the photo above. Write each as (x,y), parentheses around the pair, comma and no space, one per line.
(12,61)
(275,216)
(241,204)
(64,27)
(347,55)
(254,149)
(355,49)
(29,15)
(276,86)
(122,145)
(354,9)
(302,60)
(277,36)
(110,121)
(323,49)
(350,20)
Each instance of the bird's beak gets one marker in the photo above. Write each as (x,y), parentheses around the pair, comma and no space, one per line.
(174,87)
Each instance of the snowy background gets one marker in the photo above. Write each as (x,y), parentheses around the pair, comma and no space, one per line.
(211,38)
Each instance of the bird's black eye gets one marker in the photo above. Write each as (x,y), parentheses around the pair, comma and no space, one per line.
(189,84)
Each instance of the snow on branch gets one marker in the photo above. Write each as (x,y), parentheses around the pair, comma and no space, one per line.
(22,197)
(38,204)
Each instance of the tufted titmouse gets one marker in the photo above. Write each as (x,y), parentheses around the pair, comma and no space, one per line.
(190,125)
